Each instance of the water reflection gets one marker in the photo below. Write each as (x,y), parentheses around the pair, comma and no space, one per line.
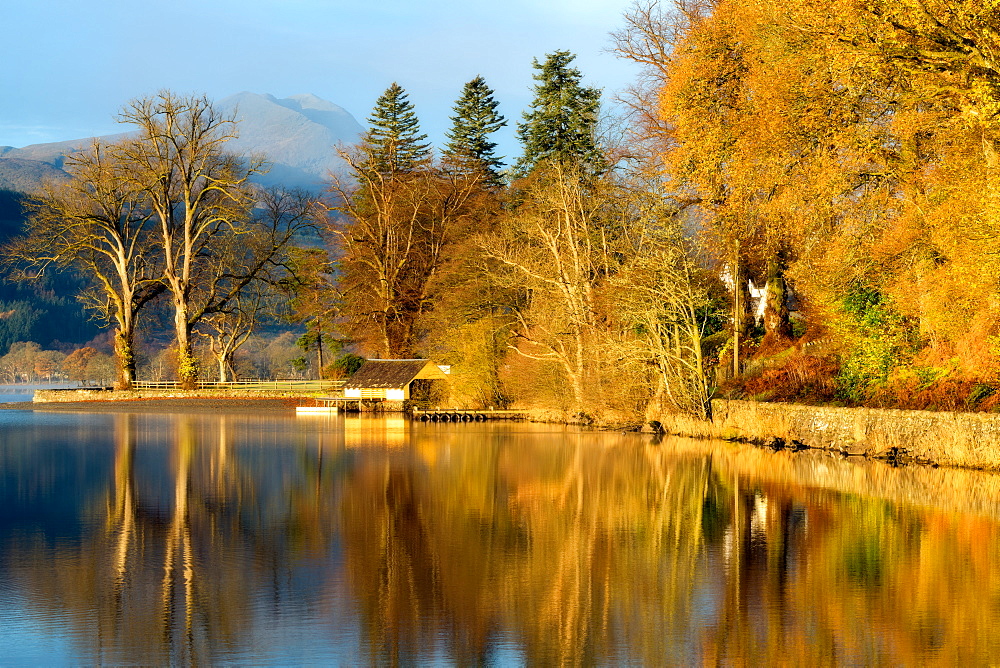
(157,539)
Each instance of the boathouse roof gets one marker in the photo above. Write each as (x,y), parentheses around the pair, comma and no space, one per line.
(392,374)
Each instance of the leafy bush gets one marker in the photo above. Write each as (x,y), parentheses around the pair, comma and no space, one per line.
(881,340)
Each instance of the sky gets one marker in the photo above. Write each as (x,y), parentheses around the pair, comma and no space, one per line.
(69,66)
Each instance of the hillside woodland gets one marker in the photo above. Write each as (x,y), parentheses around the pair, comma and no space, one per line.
(800,204)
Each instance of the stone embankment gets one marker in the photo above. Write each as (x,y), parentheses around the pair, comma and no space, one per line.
(72,396)
(123,399)
(969,440)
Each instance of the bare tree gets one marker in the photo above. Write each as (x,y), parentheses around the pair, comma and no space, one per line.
(663,297)
(197,194)
(393,233)
(97,224)
(651,32)
(557,247)
(227,331)
(241,280)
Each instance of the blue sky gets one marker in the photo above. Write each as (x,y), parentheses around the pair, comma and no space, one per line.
(68,66)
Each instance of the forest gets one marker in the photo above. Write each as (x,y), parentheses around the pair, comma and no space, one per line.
(798,203)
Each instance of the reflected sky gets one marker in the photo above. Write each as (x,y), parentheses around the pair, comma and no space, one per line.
(275,539)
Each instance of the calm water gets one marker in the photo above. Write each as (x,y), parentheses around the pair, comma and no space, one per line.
(25,391)
(153,539)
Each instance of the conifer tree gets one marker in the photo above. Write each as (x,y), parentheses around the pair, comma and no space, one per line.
(563,117)
(475,119)
(394,138)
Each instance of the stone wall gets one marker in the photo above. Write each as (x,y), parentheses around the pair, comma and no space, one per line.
(950,489)
(951,439)
(77,395)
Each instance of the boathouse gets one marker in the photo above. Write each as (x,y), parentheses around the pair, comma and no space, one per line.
(391,380)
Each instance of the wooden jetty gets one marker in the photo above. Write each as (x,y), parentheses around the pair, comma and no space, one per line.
(464,415)
(325,406)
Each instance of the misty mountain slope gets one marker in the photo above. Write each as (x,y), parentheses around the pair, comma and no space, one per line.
(298,135)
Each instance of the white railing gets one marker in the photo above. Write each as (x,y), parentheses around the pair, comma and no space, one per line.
(256,385)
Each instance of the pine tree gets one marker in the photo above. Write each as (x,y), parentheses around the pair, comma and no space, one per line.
(394,139)
(475,119)
(563,117)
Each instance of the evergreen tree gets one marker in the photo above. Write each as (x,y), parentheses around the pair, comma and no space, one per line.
(475,119)
(563,117)
(394,138)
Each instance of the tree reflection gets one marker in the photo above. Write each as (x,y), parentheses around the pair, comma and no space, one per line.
(500,543)
(620,552)
(574,554)
(175,578)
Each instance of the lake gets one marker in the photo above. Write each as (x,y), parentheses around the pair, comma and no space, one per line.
(26,391)
(151,539)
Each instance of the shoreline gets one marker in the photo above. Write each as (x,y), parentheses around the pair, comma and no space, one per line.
(164,405)
(954,440)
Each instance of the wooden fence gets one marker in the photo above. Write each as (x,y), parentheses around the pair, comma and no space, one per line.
(255,385)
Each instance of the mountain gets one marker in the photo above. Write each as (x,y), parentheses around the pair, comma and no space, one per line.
(298,135)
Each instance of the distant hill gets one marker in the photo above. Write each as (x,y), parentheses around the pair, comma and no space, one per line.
(298,135)
(26,175)
(45,311)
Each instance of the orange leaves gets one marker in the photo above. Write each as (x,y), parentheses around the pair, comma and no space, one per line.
(859,141)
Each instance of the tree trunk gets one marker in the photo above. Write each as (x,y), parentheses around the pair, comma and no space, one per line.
(187,365)
(125,356)
(776,323)
(741,299)
(223,368)
(319,355)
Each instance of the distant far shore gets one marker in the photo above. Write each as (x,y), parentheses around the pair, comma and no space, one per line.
(165,405)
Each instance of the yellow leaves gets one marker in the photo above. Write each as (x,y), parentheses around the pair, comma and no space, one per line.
(860,137)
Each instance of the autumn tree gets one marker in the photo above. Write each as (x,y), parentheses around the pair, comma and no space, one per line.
(19,362)
(759,139)
(398,215)
(932,258)
(665,297)
(848,146)
(76,364)
(558,248)
(314,299)
(651,30)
